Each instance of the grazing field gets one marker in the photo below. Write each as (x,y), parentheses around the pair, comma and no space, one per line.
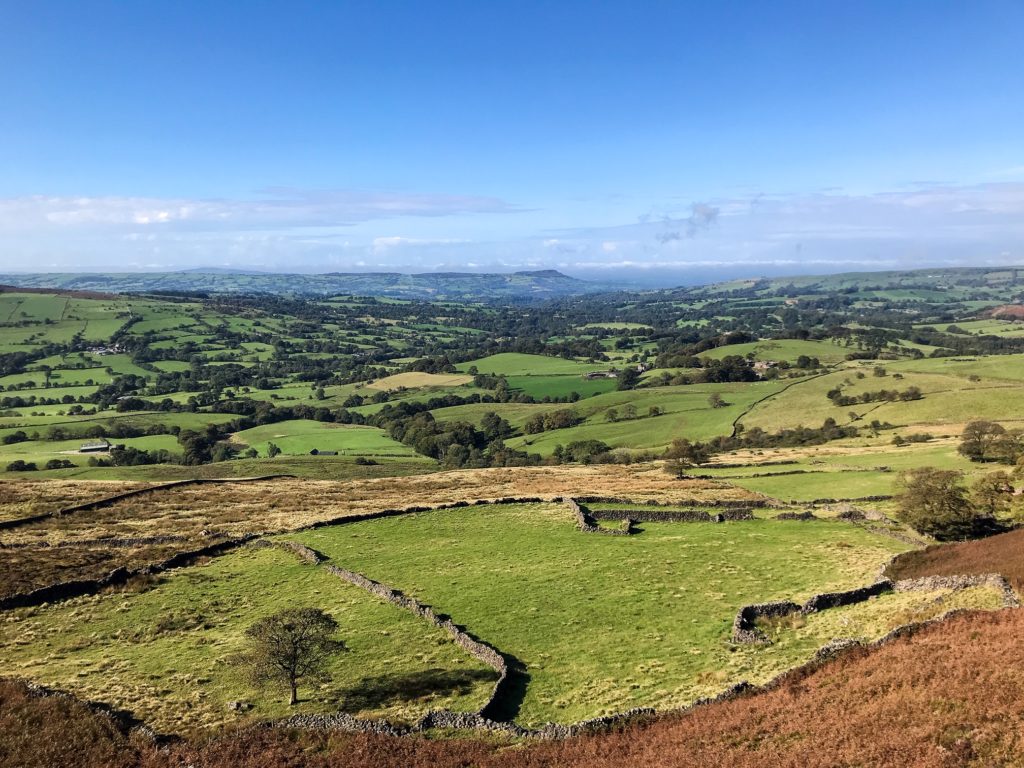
(686,412)
(299,437)
(658,638)
(164,652)
(840,470)
(517,364)
(948,397)
(560,386)
(827,352)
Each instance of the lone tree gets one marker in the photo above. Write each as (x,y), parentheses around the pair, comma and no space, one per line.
(682,455)
(935,502)
(291,646)
(988,441)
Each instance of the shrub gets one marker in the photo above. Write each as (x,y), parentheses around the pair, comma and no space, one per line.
(22,466)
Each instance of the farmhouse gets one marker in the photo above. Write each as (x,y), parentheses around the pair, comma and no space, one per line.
(611,373)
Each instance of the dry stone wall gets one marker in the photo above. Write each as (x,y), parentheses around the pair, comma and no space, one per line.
(586,522)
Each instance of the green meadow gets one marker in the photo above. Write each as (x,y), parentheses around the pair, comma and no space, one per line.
(299,437)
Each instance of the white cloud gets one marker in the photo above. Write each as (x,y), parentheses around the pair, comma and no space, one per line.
(276,208)
(339,231)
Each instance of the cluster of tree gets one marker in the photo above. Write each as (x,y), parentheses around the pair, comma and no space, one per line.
(916,437)
(127,456)
(563,418)
(883,395)
(682,455)
(582,452)
(755,437)
(11,438)
(629,412)
(937,502)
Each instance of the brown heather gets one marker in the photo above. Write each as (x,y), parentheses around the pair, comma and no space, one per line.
(997,554)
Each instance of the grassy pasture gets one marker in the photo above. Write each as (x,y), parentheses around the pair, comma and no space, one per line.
(948,398)
(299,437)
(618,326)
(844,470)
(604,623)
(783,349)
(163,652)
(41,451)
(517,364)
(687,414)
(560,386)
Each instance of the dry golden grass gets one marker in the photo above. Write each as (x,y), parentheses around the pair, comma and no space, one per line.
(415,379)
(22,498)
(287,504)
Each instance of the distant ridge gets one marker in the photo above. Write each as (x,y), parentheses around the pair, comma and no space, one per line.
(436,286)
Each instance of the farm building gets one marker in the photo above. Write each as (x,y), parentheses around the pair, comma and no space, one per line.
(97,446)
(318,452)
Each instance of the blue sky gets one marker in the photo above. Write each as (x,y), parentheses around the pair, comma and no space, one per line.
(652,140)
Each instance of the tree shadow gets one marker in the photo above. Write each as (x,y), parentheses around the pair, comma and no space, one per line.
(385,690)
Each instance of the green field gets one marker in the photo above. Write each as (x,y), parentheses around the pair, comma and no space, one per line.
(656,638)
(164,652)
(299,437)
(827,352)
(516,364)
(560,386)
(687,414)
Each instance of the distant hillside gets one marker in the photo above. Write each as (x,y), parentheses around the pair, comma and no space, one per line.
(460,286)
(931,279)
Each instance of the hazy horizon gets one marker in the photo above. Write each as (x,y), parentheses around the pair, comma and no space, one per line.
(651,144)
